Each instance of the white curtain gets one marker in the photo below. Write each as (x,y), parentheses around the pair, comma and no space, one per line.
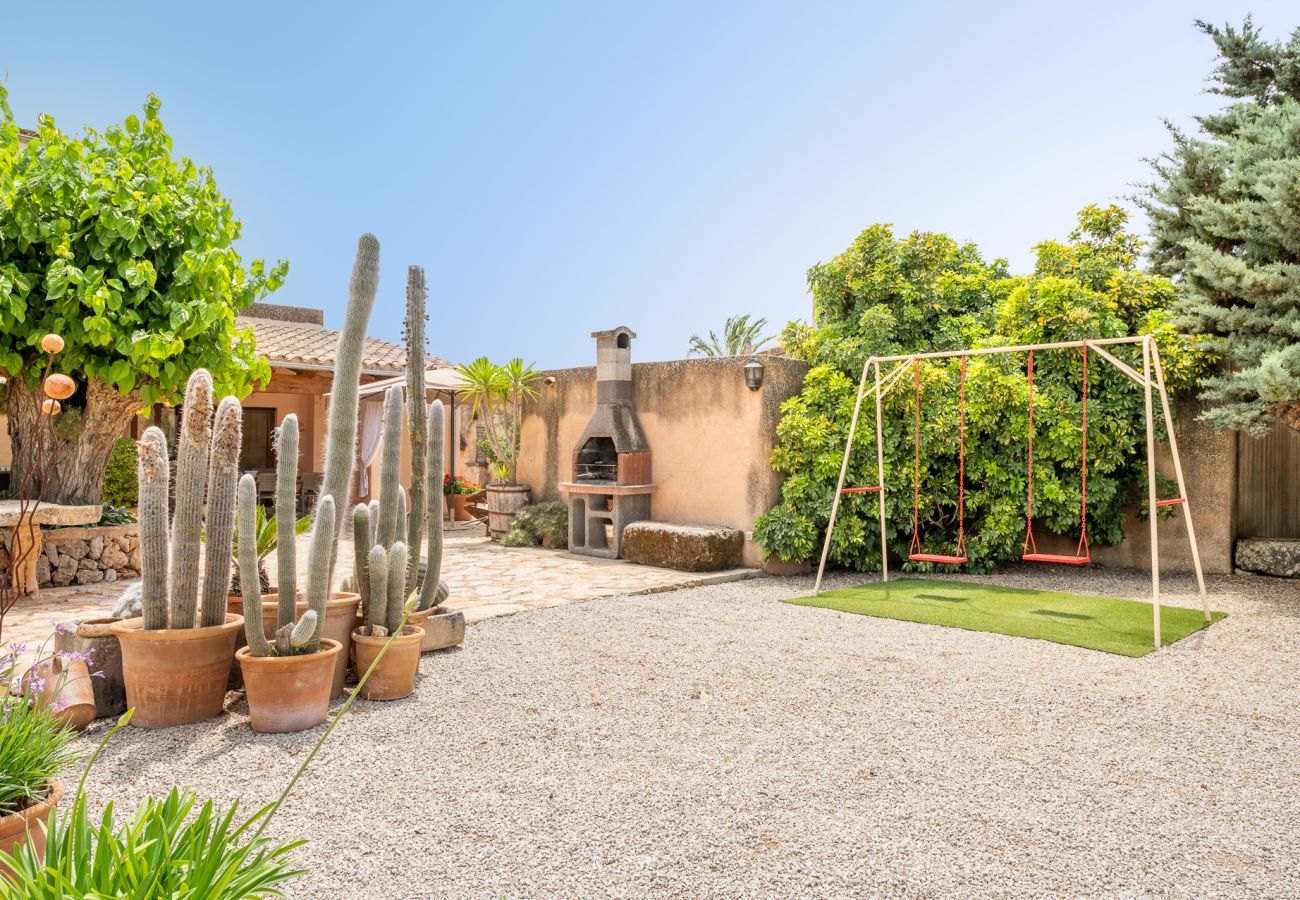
(372,420)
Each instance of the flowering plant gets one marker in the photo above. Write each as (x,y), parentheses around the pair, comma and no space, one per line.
(458,485)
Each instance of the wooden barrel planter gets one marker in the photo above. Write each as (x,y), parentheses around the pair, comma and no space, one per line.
(504,500)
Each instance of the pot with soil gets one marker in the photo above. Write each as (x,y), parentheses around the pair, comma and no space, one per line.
(28,825)
(394,677)
(289,693)
(340,619)
(94,639)
(442,628)
(504,500)
(176,675)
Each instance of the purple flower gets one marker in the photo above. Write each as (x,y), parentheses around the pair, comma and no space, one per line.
(17,647)
(62,628)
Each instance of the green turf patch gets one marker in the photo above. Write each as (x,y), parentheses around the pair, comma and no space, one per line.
(1097,623)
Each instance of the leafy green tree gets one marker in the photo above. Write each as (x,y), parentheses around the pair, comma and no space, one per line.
(1225,222)
(887,296)
(127,252)
(740,337)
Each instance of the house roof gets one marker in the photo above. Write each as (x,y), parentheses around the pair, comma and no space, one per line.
(305,345)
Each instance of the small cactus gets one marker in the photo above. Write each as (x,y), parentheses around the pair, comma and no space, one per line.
(377,611)
(361,542)
(254,627)
(396,587)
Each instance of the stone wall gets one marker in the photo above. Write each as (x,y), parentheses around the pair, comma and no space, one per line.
(711,437)
(85,555)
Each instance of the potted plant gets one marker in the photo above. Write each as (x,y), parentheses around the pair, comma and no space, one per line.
(176,657)
(34,747)
(457,491)
(394,675)
(265,539)
(498,393)
(288,682)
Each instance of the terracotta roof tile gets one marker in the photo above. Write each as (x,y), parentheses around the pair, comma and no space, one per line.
(290,343)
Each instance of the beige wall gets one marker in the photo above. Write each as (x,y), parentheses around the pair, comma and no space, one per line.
(301,405)
(710,436)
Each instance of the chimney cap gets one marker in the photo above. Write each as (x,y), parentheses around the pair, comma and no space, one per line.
(622,329)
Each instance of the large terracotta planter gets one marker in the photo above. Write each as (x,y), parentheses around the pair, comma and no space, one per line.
(95,637)
(176,675)
(394,677)
(504,500)
(289,693)
(340,619)
(65,686)
(441,629)
(27,826)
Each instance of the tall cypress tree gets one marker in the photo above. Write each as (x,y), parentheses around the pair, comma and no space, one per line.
(1225,222)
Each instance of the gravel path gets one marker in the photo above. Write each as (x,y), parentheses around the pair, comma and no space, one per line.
(717,742)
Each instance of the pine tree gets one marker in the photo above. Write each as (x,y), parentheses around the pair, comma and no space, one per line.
(1225,221)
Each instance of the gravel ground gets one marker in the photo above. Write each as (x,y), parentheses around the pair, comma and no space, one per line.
(716,742)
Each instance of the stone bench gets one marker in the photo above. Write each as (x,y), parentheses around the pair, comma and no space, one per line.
(1269,556)
(683,546)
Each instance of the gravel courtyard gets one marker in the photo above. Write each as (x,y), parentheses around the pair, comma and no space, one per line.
(716,742)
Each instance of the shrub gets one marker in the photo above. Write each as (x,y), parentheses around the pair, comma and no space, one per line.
(549,520)
(120,478)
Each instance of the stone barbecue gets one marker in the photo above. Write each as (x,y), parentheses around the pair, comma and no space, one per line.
(611,484)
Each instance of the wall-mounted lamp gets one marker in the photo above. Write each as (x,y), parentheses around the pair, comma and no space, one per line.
(753,374)
(548,380)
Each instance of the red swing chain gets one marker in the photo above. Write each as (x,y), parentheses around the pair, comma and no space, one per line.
(1082,552)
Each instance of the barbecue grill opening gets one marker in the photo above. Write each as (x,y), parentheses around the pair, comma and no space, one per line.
(597,461)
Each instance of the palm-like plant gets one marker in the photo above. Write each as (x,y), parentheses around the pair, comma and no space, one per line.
(265,529)
(740,337)
(498,393)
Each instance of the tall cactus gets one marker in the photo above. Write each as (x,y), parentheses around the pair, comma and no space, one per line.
(254,627)
(433,466)
(154,479)
(361,542)
(208,465)
(223,475)
(390,466)
(341,434)
(286,513)
(377,611)
(416,419)
(191,479)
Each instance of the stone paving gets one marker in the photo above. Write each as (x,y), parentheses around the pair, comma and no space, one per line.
(486,580)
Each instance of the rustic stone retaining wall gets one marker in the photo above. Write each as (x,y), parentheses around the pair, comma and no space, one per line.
(85,555)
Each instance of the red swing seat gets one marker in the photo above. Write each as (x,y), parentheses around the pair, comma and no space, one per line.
(1082,554)
(915,554)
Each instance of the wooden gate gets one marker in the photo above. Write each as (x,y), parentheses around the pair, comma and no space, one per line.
(1268,484)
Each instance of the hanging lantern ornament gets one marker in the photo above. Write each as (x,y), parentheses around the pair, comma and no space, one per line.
(60,386)
(51,407)
(52,343)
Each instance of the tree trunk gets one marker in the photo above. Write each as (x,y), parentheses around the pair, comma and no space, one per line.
(76,473)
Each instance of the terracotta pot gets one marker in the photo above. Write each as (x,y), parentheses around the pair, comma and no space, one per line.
(66,687)
(95,637)
(441,630)
(27,826)
(289,693)
(340,619)
(394,677)
(457,506)
(176,675)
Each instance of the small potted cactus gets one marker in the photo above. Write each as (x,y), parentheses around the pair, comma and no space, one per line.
(288,682)
(394,676)
(176,658)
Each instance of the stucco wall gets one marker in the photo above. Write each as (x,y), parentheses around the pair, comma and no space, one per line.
(711,437)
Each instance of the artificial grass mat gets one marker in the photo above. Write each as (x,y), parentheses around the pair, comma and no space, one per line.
(1097,623)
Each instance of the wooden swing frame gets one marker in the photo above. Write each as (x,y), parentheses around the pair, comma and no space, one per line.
(1151,379)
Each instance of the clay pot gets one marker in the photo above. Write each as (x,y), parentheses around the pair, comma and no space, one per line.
(441,629)
(176,675)
(394,677)
(340,619)
(65,688)
(27,826)
(289,693)
(94,637)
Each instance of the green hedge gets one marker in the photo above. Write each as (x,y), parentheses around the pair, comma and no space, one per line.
(120,487)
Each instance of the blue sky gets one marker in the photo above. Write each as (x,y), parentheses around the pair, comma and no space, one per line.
(559,168)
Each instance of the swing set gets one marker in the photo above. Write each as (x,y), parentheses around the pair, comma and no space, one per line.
(1151,378)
